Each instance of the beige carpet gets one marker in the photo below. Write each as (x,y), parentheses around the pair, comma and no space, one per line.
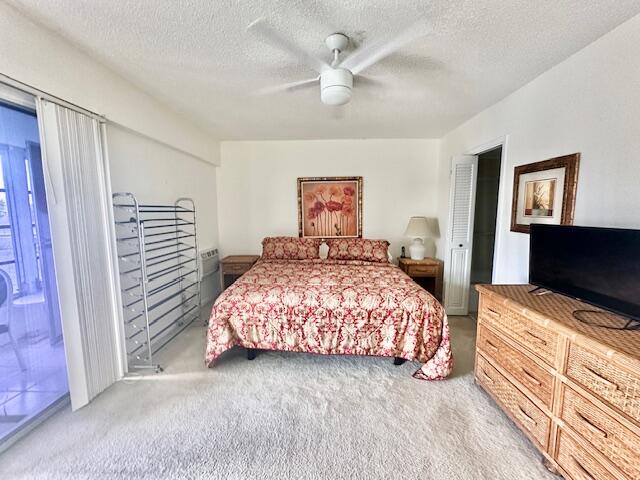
(282,416)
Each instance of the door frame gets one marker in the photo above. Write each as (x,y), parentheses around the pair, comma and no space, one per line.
(503,142)
(503,191)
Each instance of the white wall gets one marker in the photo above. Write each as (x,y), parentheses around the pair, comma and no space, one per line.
(34,55)
(154,171)
(257,187)
(158,174)
(590,103)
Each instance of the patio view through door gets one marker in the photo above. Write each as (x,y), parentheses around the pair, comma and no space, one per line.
(33,373)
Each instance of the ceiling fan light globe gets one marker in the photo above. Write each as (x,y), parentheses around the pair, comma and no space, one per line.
(335,95)
(335,86)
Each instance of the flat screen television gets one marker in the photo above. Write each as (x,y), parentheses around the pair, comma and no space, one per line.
(600,266)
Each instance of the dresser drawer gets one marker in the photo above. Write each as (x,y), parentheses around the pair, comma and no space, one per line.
(532,336)
(417,270)
(605,379)
(529,417)
(577,462)
(535,378)
(608,436)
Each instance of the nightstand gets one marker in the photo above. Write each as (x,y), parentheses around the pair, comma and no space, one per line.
(427,273)
(233,266)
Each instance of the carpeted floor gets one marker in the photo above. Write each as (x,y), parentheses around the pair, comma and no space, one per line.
(282,416)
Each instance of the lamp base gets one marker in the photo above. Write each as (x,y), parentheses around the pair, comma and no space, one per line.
(416,249)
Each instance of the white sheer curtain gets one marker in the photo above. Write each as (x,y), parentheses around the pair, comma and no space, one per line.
(81,220)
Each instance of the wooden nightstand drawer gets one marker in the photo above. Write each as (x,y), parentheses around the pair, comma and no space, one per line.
(236,268)
(533,337)
(533,377)
(426,272)
(417,270)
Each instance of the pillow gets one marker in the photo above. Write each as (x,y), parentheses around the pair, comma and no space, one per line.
(290,248)
(358,249)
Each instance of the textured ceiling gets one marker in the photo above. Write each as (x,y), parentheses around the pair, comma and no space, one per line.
(198,57)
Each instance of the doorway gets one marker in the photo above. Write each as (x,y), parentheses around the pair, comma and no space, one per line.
(33,373)
(484,224)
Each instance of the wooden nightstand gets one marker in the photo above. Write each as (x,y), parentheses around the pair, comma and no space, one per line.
(427,273)
(234,266)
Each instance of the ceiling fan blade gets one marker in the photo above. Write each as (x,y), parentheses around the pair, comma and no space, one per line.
(287,86)
(262,27)
(367,81)
(385,88)
(370,54)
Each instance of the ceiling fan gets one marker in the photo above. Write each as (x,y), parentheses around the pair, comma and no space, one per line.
(337,78)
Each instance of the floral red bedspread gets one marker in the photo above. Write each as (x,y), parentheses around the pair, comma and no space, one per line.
(332,307)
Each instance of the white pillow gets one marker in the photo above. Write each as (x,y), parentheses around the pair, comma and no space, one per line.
(324,250)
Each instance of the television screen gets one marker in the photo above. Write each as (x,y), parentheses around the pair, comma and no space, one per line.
(600,266)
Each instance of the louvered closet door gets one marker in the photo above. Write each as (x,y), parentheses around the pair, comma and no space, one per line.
(464,172)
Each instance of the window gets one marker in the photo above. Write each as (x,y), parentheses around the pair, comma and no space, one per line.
(7,256)
(33,375)
(19,255)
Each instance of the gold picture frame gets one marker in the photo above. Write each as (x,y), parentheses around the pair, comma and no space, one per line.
(330,207)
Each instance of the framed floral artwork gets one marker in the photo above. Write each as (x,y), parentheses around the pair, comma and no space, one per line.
(545,192)
(330,207)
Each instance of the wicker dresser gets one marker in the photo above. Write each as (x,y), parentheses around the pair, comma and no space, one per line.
(572,388)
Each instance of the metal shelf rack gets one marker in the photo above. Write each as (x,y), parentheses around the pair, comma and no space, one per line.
(159,274)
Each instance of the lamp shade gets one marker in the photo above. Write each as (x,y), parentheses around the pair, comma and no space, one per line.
(418,228)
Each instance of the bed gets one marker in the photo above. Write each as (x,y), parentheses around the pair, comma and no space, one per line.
(332,306)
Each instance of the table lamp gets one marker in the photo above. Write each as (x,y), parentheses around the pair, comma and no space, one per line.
(418,229)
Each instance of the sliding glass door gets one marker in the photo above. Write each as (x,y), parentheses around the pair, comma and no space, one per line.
(33,373)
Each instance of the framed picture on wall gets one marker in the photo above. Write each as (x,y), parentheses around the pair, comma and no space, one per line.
(545,192)
(330,207)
